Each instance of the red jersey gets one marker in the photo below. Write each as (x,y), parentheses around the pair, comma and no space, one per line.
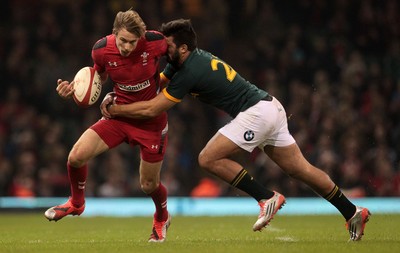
(136,77)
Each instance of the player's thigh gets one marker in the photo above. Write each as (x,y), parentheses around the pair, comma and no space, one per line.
(218,147)
(152,142)
(88,145)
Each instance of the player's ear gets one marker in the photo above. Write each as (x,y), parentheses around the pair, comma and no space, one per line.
(183,48)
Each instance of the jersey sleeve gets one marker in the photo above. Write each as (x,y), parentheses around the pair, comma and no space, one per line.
(180,84)
(160,41)
(169,71)
(98,55)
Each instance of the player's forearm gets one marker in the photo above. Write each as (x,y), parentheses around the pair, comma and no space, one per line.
(138,110)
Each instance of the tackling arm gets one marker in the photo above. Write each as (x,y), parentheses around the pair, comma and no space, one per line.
(142,109)
(163,80)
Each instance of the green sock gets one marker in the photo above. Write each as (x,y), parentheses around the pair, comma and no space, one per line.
(337,198)
(248,184)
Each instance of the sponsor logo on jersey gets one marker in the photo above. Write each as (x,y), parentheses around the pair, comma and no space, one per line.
(112,63)
(134,88)
(248,135)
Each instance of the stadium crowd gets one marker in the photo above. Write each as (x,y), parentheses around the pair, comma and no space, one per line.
(335,65)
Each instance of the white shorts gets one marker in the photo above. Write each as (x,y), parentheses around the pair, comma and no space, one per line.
(263,124)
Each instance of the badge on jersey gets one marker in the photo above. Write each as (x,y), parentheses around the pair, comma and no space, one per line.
(248,135)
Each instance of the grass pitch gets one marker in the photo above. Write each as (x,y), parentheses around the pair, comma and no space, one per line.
(326,233)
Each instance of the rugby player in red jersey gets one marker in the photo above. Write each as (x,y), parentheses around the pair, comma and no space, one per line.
(258,121)
(130,58)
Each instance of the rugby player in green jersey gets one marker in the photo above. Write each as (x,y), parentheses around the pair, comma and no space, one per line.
(259,120)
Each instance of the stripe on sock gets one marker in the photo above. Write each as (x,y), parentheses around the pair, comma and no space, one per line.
(332,193)
(239,177)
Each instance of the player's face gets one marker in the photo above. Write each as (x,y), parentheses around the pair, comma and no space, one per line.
(126,42)
(174,56)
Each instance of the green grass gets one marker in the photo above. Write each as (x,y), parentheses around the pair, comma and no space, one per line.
(33,233)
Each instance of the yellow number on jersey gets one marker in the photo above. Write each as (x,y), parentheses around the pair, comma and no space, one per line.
(230,72)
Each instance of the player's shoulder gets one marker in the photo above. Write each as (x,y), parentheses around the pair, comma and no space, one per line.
(154,36)
(102,43)
(200,57)
(201,53)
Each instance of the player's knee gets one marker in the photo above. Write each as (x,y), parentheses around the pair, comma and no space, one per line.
(75,159)
(295,171)
(204,161)
(148,186)
(301,172)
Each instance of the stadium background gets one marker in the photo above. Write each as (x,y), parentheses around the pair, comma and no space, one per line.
(335,65)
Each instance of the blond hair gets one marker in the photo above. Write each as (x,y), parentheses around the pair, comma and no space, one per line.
(131,21)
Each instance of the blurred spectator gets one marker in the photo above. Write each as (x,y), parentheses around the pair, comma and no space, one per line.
(207,187)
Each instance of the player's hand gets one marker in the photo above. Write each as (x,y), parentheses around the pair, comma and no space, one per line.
(108,101)
(65,89)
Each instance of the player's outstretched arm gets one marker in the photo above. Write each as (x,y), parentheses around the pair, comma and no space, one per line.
(143,109)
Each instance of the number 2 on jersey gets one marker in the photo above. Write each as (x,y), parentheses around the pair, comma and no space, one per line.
(230,72)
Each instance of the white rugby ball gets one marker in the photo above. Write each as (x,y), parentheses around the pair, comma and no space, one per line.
(87,85)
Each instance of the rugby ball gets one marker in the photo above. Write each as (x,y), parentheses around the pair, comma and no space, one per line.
(87,85)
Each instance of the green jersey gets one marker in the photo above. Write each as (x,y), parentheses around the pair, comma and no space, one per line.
(212,81)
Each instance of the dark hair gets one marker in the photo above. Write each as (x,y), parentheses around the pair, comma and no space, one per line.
(182,31)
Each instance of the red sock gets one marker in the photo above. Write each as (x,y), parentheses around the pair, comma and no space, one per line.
(77,178)
(159,197)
